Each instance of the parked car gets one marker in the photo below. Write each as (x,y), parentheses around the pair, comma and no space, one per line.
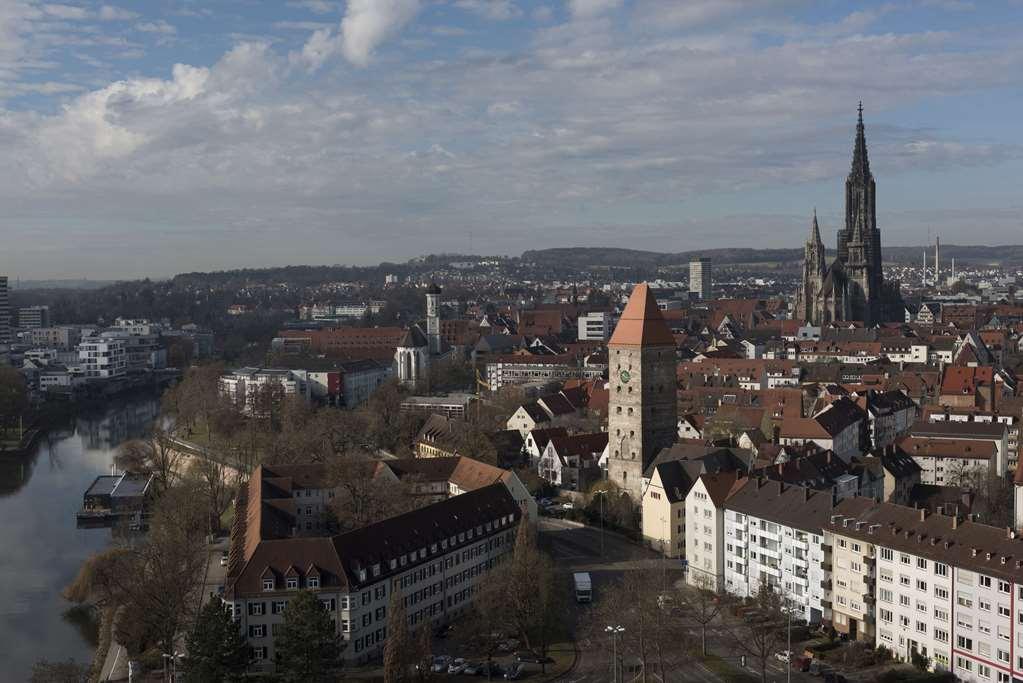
(440,664)
(568,506)
(457,666)
(223,558)
(783,656)
(472,668)
(493,669)
(514,673)
(665,601)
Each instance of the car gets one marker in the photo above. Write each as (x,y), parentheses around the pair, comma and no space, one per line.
(783,656)
(543,502)
(440,664)
(457,666)
(514,673)
(568,506)
(531,657)
(492,669)
(223,558)
(665,601)
(472,668)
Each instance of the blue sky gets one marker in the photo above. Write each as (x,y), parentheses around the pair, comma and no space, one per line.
(153,137)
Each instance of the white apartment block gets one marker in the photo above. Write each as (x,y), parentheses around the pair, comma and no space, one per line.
(595,326)
(948,590)
(243,386)
(102,358)
(705,530)
(664,508)
(774,536)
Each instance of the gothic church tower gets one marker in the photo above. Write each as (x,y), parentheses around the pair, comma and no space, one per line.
(643,413)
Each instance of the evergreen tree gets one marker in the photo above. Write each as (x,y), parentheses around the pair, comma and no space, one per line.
(216,648)
(307,643)
(398,650)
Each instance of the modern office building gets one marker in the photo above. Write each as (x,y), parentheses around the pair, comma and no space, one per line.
(700,283)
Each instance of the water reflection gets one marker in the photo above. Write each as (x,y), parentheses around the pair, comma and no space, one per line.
(42,549)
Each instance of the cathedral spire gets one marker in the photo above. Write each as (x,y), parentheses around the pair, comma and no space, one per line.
(815,230)
(860,163)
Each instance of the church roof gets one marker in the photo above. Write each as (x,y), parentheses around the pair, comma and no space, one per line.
(641,323)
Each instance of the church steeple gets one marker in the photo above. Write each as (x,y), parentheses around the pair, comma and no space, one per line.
(860,162)
(815,230)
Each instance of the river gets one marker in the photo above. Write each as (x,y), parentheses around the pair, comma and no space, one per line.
(40,546)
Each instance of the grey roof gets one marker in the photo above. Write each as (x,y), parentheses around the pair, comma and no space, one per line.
(959,430)
(103,485)
(711,459)
(131,485)
(675,479)
(793,506)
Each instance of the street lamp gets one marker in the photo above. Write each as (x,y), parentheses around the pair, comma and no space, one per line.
(614,631)
(601,494)
(174,664)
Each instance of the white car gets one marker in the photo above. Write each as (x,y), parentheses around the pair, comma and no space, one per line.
(457,666)
(568,506)
(783,656)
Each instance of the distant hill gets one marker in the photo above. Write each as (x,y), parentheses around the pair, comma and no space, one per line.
(588,257)
(60,284)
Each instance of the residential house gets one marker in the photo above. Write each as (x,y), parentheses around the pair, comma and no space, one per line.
(705,529)
(573,462)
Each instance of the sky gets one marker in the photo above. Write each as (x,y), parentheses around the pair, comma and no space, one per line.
(152,137)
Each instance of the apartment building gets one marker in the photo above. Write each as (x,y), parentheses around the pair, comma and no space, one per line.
(977,432)
(33,317)
(946,461)
(705,529)
(664,506)
(60,338)
(435,556)
(1011,420)
(947,589)
(245,385)
(838,427)
(774,536)
(102,358)
(5,312)
(595,326)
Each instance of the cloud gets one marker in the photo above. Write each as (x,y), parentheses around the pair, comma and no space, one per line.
(66,11)
(368,23)
(495,10)
(111,13)
(160,26)
(322,45)
(586,9)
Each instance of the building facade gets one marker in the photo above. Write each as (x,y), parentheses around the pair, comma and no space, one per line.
(5,312)
(643,413)
(700,283)
(103,358)
(33,317)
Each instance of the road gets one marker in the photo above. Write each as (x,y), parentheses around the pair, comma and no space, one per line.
(577,547)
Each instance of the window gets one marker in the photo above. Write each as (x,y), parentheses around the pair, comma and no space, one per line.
(941,635)
(904,559)
(964,600)
(964,664)
(1003,587)
(1003,656)
(884,595)
(984,604)
(903,580)
(940,593)
(268,584)
(904,600)
(886,615)
(887,554)
(941,614)
(984,627)
(257,631)
(313,582)
(921,627)
(921,563)
(921,585)
(984,581)
(257,609)
(278,606)
(1003,611)
(292,583)
(964,643)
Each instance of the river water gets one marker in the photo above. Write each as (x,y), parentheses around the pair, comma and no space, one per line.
(40,547)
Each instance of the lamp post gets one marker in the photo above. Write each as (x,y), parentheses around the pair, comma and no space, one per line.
(174,664)
(614,631)
(601,494)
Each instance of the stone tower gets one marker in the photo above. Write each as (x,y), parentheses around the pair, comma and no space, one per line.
(433,318)
(814,269)
(643,414)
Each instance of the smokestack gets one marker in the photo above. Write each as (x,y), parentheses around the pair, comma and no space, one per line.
(923,278)
(937,263)
(953,269)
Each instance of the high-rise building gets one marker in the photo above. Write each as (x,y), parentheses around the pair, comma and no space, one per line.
(33,317)
(5,312)
(643,415)
(700,283)
(853,286)
(433,318)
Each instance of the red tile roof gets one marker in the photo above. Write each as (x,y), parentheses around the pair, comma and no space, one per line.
(641,323)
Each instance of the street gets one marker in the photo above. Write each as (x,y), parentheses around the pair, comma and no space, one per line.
(576,547)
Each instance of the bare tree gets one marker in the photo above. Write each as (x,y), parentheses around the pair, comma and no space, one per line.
(399,655)
(761,631)
(703,604)
(216,483)
(154,455)
(363,495)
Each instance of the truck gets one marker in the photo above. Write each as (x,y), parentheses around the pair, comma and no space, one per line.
(583,587)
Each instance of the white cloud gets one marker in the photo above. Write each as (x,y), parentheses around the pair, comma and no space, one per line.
(111,13)
(160,26)
(495,10)
(586,9)
(322,45)
(66,11)
(368,23)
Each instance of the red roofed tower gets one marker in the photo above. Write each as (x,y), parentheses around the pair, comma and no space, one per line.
(642,415)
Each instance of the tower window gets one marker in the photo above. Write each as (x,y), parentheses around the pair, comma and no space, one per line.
(630,410)
(618,410)
(631,434)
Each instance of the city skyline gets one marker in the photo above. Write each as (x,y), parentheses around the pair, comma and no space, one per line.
(147,139)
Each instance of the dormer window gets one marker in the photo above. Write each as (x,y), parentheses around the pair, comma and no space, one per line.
(376,569)
(312,582)
(394,563)
(292,583)
(362,575)
(268,584)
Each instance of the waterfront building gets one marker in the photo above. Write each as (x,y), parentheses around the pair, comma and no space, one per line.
(436,557)
(103,357)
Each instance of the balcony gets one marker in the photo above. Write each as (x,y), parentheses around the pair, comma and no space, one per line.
(826,547)
(869,619)
(826,566)
(826,604)
(826,584)
(868,598)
